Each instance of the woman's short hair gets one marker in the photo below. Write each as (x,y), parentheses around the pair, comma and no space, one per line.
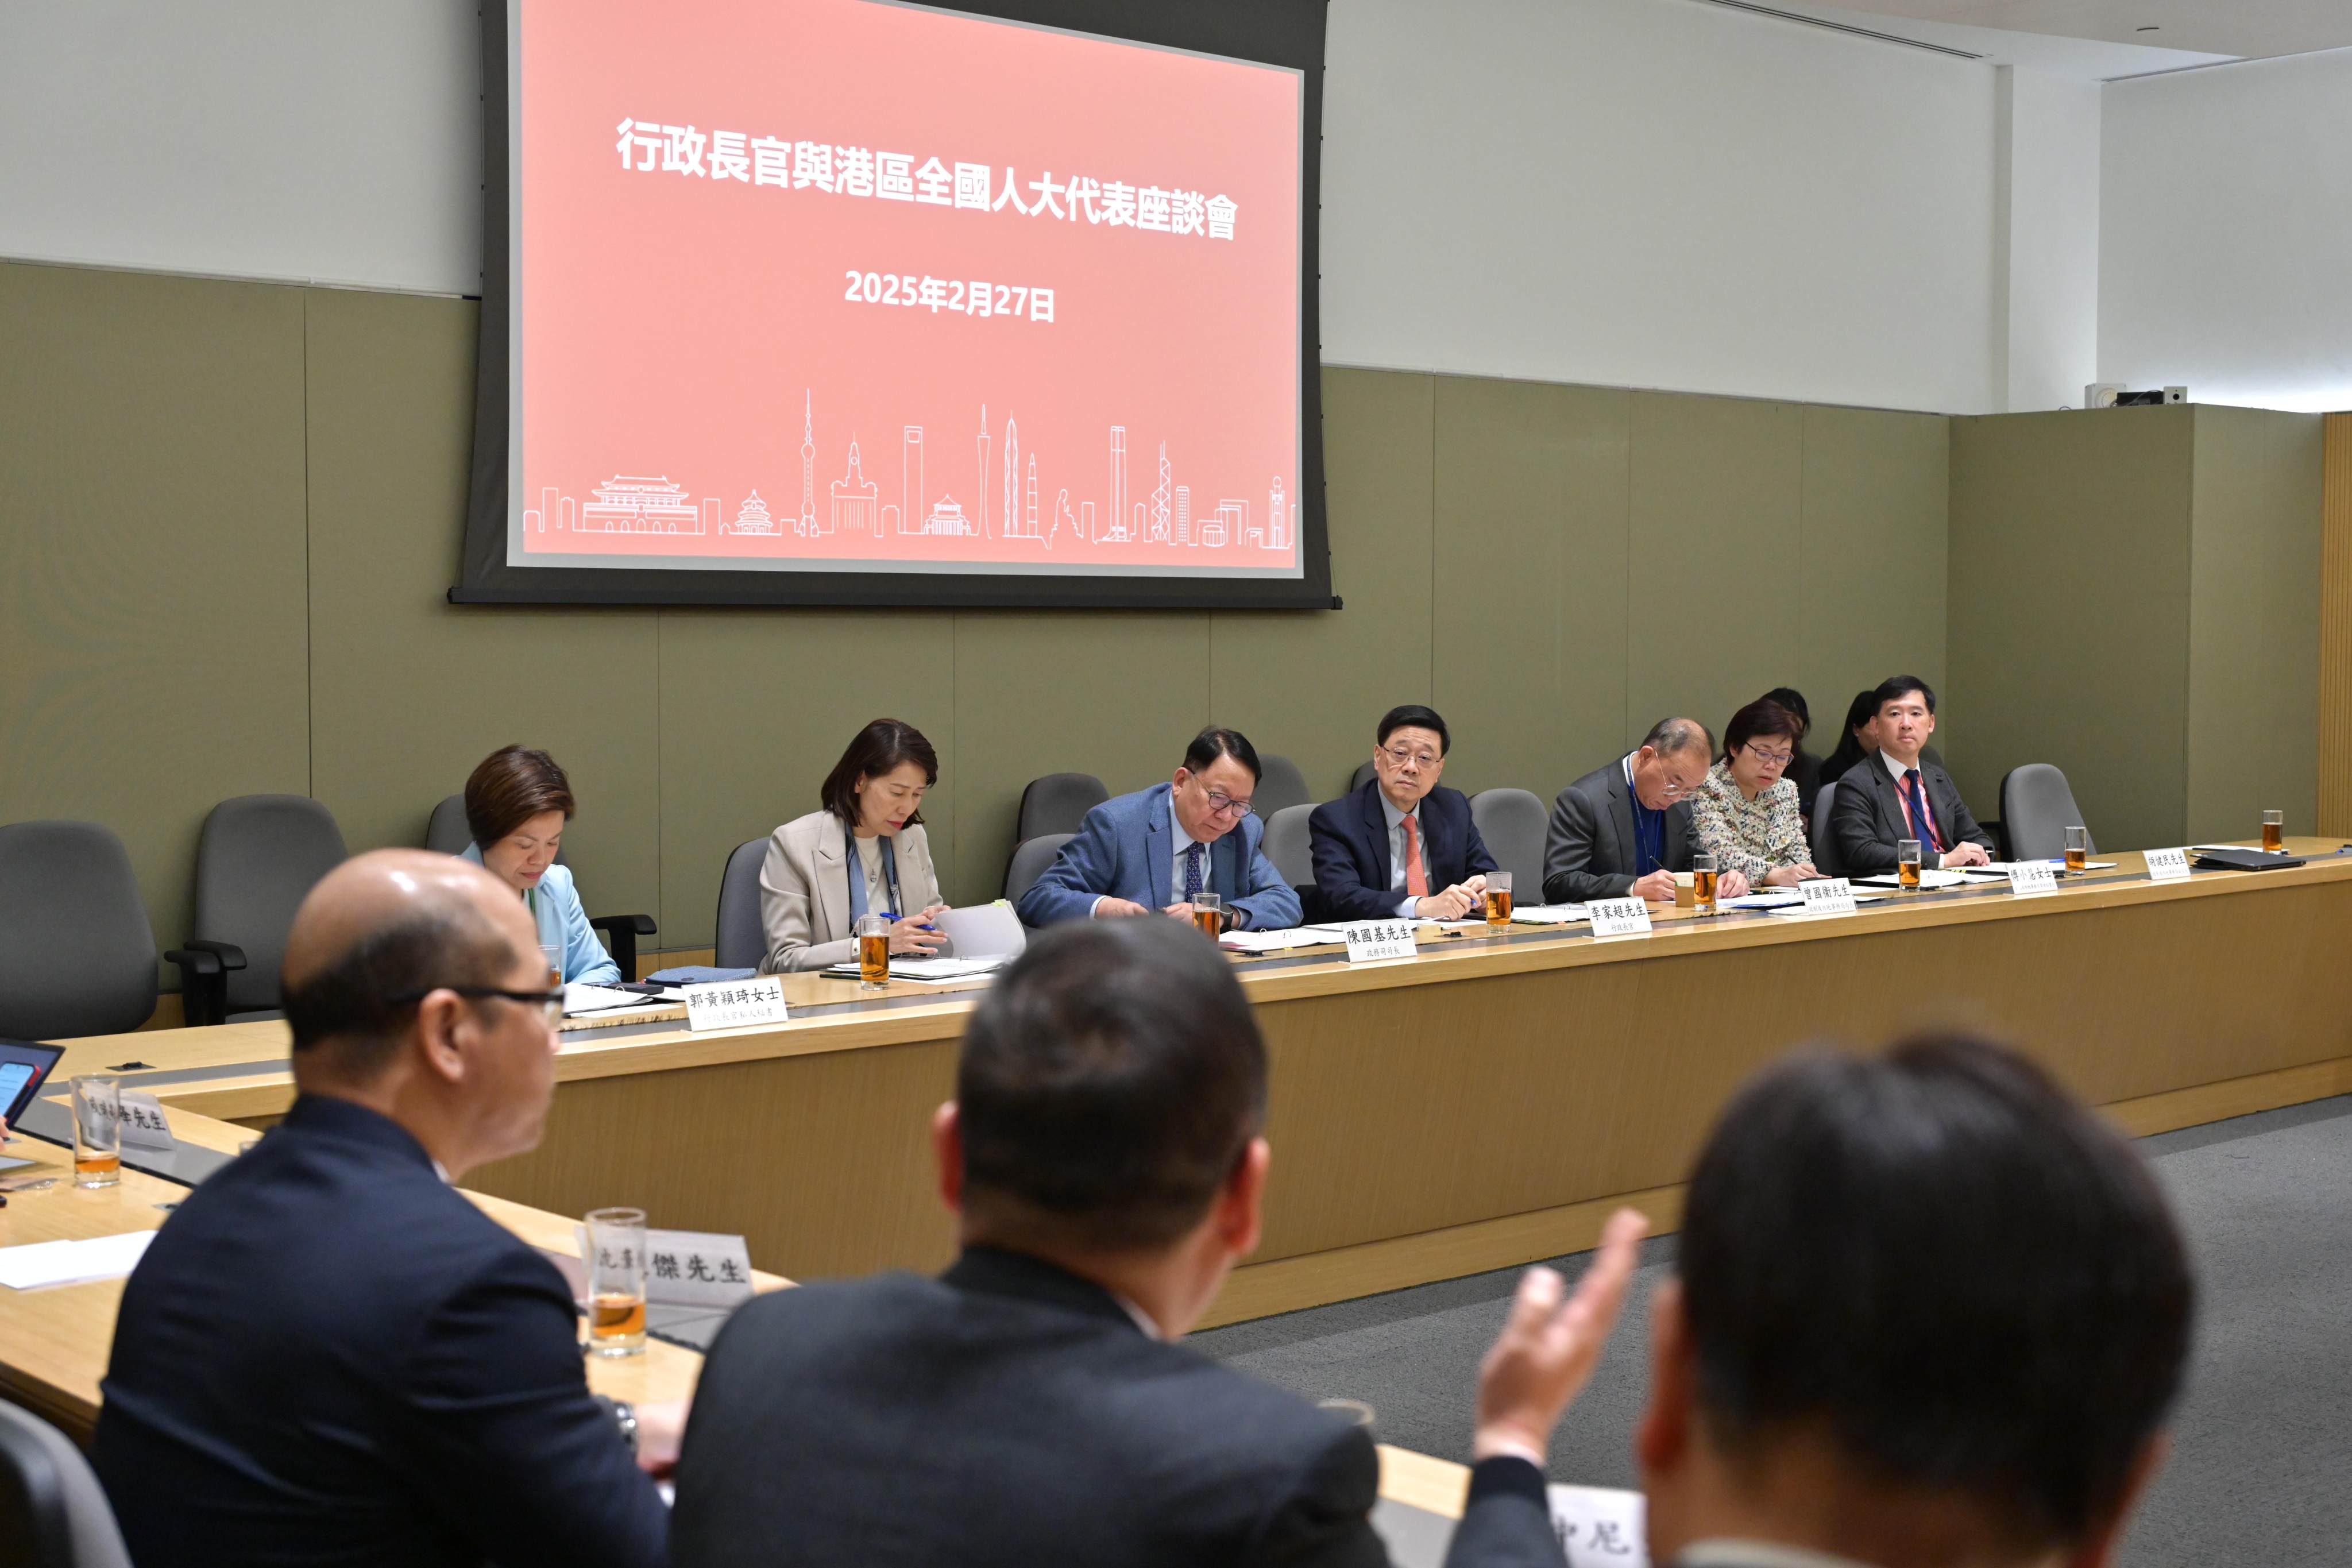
(512,786)
(1760,718)
(881,747)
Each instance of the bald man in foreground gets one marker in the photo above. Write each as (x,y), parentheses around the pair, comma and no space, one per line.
(329,1355)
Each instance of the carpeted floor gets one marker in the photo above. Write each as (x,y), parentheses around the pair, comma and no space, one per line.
(2262,1464)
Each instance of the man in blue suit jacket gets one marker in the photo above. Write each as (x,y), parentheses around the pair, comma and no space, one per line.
(1151,851)
(1401,848)
(328,1354)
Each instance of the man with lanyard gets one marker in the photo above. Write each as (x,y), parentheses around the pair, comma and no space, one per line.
(1624,830)
(1906,795)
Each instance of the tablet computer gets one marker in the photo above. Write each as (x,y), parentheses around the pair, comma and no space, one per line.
(23,1064)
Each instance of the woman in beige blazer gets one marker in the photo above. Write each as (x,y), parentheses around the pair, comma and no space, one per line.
(865,853)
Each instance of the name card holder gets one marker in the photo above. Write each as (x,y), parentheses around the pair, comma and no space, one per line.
(144,1126)
(1371,942)
(1827,896)
(2167,865)
(2032,879)
(697,1269)
(1618,917)
(735,1003)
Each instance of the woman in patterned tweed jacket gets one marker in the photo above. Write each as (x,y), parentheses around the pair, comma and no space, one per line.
(1745,812)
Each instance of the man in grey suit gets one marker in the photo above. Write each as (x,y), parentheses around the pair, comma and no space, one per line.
(1900,793)
(1624,830)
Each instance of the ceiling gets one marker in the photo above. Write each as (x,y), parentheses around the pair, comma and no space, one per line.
(2246,29)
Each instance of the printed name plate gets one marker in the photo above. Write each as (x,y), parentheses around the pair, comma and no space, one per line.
(696,1267)
(2167,865)
(733,1003)
(1620,916)
(2032,879)
(1370,941)
(143,1123)
(1827,896)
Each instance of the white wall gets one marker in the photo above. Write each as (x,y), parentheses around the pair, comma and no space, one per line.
(336,140)
(1656,192)
(2046,219)
(2225,255)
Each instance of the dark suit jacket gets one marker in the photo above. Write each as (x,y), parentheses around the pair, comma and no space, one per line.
(329,1355)
(1009,1414)
(1351,835)
(1589,848)
(1866,817)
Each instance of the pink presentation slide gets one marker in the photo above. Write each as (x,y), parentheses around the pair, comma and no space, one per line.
(852,285)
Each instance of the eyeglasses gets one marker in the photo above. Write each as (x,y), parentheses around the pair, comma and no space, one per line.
(1425,758)
(1770,759)
(549,1003)
(1223,804)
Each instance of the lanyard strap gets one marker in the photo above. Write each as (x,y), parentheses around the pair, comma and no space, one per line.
(857,873)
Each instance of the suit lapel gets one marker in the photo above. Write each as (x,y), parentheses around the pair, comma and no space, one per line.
(1376,828)
(1620,802)
(832,875)
(1158,848)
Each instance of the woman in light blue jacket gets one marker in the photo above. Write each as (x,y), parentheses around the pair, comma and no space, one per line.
(517,803)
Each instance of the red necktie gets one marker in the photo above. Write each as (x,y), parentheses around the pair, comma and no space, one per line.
(1923,821)
(1416,880)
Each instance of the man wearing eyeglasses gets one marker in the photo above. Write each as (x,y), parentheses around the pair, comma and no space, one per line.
(1622,831)
(1154,851)
(328,1354)
(1401,848)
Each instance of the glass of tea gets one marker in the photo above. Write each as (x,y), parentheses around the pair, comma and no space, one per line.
(1906,863)
(873,951)
(1703,874)
(1209,914)
(616,1282)
(97,1131)
(1498,901)
(2274,831)
(2078,851)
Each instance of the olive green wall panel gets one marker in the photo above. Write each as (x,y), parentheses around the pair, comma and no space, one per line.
(1872,546)
(1312,687)
(756,708)
(1113,693)
(2254,622)
(408,692)
(1529,662)
(152,629)
(2068,624)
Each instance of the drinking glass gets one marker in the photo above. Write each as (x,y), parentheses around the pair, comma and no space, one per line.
(1703,875)
(616,1282)
(1209,914)
(2078,851)
(2274,831)
(873,951)
(1906,863)
(1498,901)
(98,1130)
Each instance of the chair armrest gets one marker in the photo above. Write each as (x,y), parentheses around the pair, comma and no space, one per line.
(204,979)
(621,934)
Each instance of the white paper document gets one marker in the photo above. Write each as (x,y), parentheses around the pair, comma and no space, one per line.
(41,1263)
(1279,941)
(929,971)
(1549,914)
(579,1000)
(1929,876)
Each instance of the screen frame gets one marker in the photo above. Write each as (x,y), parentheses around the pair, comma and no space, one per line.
(1284,33)
(14,1110)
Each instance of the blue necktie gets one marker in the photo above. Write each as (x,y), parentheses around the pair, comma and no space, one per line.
(1923,821)
(1193,873)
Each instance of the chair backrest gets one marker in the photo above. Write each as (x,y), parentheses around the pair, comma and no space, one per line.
(1512,822)
(742,940)
(256,857)
(2037,807)
(1030,858)
(1058,803)
(76,954)
(1289,845)
(1364,774)
(1280,787)
(56,1512)
(1825,859)
(447,833)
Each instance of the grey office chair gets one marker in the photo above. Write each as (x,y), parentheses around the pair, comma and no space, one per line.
(2037,807)
(256,857)
(1825,857)
(1365,773)
(1031,857)
(448,833)
(742,940)
(1512,822)
(1287,844)
(76,954)
(1280,787)
(56,1512)
(1058,803)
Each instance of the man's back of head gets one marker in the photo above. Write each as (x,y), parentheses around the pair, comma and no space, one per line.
(1930,1310)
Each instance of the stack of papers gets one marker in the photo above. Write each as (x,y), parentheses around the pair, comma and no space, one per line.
(582,999)
(1929,876)
(1277,940)
(1769,899)
(43,1263)
(1550,914)
(929,971)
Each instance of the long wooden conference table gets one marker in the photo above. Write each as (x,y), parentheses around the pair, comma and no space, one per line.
(1485,1104)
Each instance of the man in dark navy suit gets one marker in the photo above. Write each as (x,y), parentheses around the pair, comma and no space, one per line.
(1401,848)
(1104,1157)
(328,1354)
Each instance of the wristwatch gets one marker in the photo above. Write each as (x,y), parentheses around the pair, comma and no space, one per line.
(624,1417)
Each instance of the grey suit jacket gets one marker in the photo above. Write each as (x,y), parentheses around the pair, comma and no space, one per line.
(805,891)
(1589,848)
(1866,817)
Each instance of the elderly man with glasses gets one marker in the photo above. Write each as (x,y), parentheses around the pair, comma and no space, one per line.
(1624,830)
(1158,851)
(1401,848)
